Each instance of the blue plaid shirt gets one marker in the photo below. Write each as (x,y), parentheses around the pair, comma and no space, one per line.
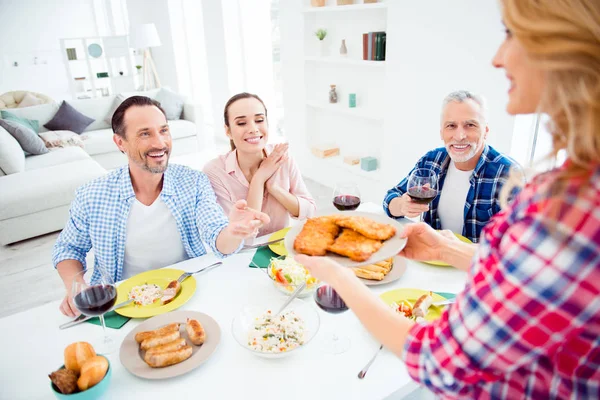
(99,213)
(482,200)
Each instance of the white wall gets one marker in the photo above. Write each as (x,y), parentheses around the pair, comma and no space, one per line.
(33,28)
(157,12)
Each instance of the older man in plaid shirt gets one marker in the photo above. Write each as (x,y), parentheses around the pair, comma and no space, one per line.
(148,214)
(470,172)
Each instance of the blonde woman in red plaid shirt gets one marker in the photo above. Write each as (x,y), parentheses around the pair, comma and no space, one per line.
(527,324)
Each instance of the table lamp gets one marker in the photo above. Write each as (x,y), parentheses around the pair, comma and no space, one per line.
(144,37)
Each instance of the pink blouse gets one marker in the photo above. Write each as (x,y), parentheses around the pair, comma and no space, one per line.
(230,185)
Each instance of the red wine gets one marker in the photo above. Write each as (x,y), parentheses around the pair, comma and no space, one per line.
(328,300)
(96,300)
(422,194)
(346,202)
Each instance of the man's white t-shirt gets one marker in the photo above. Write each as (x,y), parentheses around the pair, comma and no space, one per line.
(453,197)
(152,239)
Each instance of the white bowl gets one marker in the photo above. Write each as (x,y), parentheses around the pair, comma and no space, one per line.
(289,288)
(244,321)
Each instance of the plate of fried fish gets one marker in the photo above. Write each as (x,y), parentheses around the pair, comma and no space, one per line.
(352,238)
(381,272)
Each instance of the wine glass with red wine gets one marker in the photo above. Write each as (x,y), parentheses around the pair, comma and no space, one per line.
(95,299)
(330,301)
(346,196)
(423,186)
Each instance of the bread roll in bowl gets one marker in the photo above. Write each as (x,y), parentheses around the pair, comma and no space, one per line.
(76,354)
(92,372)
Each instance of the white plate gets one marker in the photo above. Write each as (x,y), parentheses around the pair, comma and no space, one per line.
(131,356)
(390,248)
(396,273)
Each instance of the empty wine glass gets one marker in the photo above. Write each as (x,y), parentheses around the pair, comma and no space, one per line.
(95,299)
(346,196)
(423,186)
(330,301)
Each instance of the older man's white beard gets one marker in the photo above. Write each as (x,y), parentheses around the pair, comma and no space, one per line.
(460,158)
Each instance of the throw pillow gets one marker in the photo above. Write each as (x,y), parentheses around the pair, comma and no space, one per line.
(116,103)
(61,139)
(171,102)
(30,123)
(28,139)
(12,158)
(68,118)
(29,100)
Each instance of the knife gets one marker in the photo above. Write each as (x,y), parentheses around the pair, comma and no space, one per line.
(83,318)
(256,246)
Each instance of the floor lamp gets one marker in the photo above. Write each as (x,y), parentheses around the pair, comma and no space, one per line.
(144,37)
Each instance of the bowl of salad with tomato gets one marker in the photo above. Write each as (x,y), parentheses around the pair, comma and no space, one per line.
(287,274)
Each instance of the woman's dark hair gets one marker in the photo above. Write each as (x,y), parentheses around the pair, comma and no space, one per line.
(232,100)
(118,118)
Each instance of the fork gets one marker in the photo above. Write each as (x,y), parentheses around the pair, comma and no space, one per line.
(363,371)
(186,275)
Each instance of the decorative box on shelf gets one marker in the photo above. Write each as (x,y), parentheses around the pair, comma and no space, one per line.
(325,151)
(352,160)
(368,163)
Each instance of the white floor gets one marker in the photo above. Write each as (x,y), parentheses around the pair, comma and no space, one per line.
(27,277)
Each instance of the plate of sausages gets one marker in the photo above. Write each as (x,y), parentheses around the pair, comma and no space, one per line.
(170,344)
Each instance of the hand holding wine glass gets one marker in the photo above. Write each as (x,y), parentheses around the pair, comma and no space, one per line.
(422,186)
(95,299)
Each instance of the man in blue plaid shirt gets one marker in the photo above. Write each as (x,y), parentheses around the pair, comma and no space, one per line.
(470,172)
(148,214)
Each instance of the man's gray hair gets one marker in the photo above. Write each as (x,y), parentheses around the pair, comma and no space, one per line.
(460,96)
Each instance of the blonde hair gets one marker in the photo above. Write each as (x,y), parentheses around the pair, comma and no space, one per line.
(563,36)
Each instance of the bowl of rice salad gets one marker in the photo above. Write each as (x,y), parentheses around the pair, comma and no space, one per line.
(257,330)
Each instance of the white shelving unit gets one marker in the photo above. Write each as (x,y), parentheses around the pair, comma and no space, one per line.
(338,123)
(346,61)
(350,7)
(115,60)
(339,108)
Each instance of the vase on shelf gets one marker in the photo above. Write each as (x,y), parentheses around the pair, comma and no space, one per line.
(333,97)
(317,3)
(321,48)
(343,49)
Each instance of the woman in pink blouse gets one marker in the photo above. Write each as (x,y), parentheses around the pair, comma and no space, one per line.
(527,324)
(263,175)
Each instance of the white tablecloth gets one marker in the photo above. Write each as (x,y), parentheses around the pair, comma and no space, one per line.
(33,346)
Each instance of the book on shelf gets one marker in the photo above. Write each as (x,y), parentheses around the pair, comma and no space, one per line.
(374,46)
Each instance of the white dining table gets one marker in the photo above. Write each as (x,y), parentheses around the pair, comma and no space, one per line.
(33,345)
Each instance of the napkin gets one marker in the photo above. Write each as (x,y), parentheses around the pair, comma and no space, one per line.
(111,319)
(446,295)
(262,258)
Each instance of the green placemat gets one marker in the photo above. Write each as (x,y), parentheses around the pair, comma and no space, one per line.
(112,320)
(446,295)
(262,258)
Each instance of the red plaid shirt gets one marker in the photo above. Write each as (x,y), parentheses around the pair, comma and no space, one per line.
(527,324)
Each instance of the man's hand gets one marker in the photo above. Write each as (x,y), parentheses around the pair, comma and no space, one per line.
(424,243)
(404,206)
(244,222)
(67,307)
(272,163)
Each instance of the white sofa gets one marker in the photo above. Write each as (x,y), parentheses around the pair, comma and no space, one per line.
(35,197)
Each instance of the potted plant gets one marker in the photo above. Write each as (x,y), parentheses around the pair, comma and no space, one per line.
(139,68)
(321,34)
